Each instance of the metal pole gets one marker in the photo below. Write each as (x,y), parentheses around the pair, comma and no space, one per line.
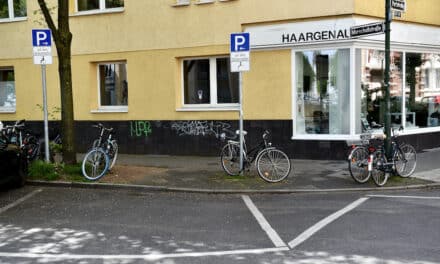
(46,126)
(387,78)
(240,84)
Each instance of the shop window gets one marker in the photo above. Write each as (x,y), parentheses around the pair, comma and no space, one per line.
(422,88)
(113,85)
(372,88)
(7,89)
(12,9)
(209,82)
(90,5)
(323,92)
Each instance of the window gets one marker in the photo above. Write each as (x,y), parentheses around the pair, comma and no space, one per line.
(422,93)
(7,89)
(372,89)
(12,9)
(209,82)
(323,92)
(113,85)
(89,5)
(414,98)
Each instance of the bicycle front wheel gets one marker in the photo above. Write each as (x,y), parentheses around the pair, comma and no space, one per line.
(230,159)
(380,177)
(113,153)
(358,165)
(273,165)
(95,164)
(405,160)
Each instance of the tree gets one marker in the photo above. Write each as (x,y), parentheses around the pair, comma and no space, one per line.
(63,41)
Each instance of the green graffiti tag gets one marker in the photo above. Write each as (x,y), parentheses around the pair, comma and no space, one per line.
(140,128)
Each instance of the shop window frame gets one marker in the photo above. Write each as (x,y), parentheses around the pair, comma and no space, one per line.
(332,137)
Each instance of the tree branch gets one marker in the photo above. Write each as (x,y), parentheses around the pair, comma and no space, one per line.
(48,19)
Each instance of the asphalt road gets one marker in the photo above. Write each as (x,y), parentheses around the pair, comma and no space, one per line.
(72,225)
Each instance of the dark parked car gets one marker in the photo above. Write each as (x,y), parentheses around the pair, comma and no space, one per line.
(13,167)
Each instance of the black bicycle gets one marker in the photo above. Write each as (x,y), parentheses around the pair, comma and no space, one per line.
(369,159)
(273,165)
(403,161)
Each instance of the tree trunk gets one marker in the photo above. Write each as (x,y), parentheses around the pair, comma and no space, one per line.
(63,41)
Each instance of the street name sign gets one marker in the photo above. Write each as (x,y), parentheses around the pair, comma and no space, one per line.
(398,5)
(42,46)
(240,48)
(367,29)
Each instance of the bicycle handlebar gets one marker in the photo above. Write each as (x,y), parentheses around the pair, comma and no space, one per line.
(101,126)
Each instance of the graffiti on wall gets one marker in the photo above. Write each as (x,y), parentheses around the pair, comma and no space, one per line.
(140,128)
(201,128)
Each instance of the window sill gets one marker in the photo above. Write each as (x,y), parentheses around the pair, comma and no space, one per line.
(191,108)
(7,110)
(110,110)
(181,4)
(11,20)
(98,12)
(325,137)
(202,2)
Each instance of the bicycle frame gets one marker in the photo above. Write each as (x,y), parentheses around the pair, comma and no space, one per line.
(255,151)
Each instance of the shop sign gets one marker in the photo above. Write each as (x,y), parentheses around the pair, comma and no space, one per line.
(303,37)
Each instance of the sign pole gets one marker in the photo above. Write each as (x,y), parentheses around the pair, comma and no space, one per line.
(240,47)
(387,78)
(46,123)
(41,42)
(240,84)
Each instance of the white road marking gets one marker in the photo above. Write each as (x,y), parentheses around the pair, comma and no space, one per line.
(405,197)
(17,202)
(324,222)
(273,235)
(144,257)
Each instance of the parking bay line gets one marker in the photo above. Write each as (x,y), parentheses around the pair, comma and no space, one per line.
(17,202)
(324,222)
(273,235)
(149,257)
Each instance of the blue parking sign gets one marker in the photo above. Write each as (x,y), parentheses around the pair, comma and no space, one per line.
(240,42)
(41,38)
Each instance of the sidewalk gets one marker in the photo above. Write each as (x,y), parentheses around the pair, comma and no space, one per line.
(204,174)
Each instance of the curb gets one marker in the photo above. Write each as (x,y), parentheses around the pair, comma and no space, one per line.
(133,187)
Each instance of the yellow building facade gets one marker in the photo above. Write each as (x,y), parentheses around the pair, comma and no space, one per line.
(159,71)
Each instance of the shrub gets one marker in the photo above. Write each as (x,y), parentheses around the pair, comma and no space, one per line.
(40,170)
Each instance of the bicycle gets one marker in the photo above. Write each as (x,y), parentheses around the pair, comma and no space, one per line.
(273,165)
(403,161)
(370,160)
(102,157)
(27,143)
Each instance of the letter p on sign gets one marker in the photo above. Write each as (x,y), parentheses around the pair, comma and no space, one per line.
(41,38)
(240,42)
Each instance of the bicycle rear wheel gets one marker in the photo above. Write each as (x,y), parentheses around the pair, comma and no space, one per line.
(380,177)
(113,153)
(230,159)
(358,165)
(273,165)
(95,164)
(405,160)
